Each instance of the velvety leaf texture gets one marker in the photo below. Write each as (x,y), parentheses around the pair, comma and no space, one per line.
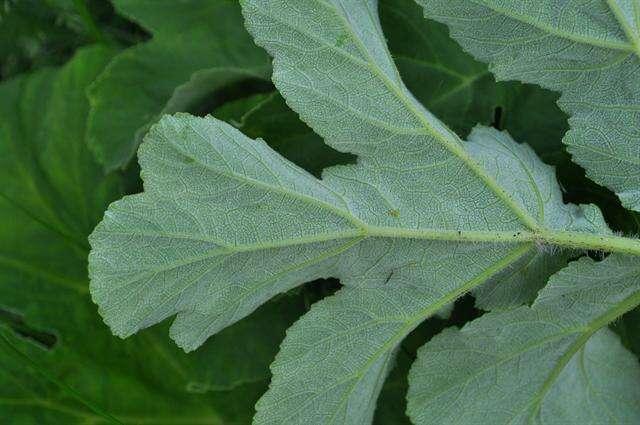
(550,363)
(588,50)
(225,223)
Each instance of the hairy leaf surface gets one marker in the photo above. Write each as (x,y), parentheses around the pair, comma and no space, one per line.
(590,51)
(550,363)
(225,223)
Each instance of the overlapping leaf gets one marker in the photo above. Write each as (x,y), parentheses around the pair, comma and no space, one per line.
(189,60)
(268,115)
(550,363)
(590,51)
(225,223)
(560,372)
(450,83)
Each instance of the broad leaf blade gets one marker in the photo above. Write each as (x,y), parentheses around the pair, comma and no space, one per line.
(544,364)
(225,223)
(590,51)
(334,360)
(229,182)
(236,236)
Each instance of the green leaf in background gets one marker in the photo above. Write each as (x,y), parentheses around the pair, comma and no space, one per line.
(441,75)
(38,33)
(34,33)
(550,363)
(628,327)
(198,48)
(58,362)
(458,89)
(267,116)
(589,51)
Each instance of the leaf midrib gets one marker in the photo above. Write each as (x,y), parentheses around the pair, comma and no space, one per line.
(453,145)
(628,47)
(413,321)
(595,325)
(430,398)
(361,229)
(577,240)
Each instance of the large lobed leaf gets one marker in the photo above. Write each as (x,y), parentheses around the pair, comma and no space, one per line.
(225,223)
(590,51)
(393,283)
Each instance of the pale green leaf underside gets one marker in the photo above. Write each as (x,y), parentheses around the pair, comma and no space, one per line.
(590,51)
(218,232)
(547,364)
(225,223)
